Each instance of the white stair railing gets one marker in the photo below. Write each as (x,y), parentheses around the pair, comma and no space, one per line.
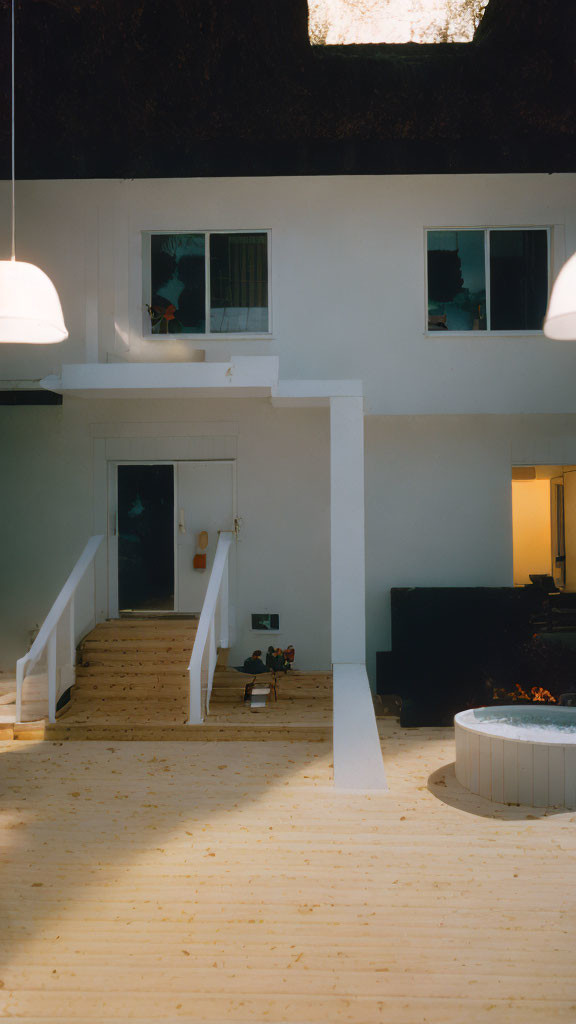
(213,631)
(60,633)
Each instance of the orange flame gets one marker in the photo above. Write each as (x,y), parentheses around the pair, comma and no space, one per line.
(537,694)
(542,696)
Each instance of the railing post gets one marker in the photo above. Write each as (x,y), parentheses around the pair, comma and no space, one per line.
(225,606)
(212,658)
(47,637)
(195,697)
(72,626)
(213,631)
(52,672)
(19,689)
(94,616)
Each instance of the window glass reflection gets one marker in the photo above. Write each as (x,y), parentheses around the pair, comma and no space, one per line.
(456,281)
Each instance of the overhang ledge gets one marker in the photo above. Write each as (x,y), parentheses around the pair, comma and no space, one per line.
(243,377)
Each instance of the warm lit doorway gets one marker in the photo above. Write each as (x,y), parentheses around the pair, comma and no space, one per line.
(544,524)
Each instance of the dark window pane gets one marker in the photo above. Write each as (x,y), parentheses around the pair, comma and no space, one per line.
(518,279)
(178,284)
(238,283)
(146,537)
(265,621)
(456,281)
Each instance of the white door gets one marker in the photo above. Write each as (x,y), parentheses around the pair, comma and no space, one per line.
(205,502)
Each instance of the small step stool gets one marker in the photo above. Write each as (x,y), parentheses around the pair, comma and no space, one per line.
(258,697)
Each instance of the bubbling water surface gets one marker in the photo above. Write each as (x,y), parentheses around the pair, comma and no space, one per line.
(536,724)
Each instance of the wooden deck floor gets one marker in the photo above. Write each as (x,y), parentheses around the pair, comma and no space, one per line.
(132,683)
(171,882)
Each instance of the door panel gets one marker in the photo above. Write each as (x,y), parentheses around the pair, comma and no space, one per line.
(570,528)
(146,538)
(205,502)
(557,522)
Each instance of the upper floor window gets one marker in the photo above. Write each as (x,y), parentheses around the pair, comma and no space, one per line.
(490,279)
(208,282)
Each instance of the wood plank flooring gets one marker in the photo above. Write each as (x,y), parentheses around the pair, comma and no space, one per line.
(132,683)
(229,882)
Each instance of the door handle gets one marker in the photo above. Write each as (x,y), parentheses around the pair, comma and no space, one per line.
(181,522)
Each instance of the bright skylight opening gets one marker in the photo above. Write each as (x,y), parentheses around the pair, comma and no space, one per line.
(394,21)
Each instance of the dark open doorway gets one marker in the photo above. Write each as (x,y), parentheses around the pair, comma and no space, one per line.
(146,538)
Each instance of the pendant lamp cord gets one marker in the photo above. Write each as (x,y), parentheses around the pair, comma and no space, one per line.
(13,141)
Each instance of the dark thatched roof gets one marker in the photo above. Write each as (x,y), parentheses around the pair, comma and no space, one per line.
(148,88)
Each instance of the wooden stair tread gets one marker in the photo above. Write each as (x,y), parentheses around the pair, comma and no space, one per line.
(132,683)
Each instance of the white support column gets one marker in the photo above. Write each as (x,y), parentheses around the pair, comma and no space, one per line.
(357,755)
(347,530)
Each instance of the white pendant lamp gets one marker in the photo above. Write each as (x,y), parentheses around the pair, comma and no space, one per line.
(30,309)
(560,320)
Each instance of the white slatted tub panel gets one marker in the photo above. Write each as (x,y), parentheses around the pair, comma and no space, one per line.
(570,777)
(497,754)
(556,775)
(508,771)
(526,773)
(540,774)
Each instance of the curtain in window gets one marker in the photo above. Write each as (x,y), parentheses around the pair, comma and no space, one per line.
(518,279)
(239,270)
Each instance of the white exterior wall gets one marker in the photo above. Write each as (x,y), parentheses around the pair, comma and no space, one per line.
(50,482)
(439,501)
(347,280)
(447,415)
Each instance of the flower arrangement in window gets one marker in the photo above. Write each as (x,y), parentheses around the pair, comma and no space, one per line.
(208,283)
(177,284)
(163,317)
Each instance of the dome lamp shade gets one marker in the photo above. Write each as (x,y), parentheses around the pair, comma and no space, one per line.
(560,319)
(30,309)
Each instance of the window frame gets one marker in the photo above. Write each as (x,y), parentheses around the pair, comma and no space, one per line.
(261,629)
(486,228)
(207,335)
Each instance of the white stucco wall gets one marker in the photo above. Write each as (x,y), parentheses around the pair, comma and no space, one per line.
(283,555)
(438,506)
(347,275)
(447,415)
(439,501)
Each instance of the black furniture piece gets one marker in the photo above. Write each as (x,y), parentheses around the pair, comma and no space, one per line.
(451,644)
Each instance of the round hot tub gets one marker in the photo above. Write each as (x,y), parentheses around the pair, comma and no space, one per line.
(518,754)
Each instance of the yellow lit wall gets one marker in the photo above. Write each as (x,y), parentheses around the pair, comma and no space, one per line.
(531,528)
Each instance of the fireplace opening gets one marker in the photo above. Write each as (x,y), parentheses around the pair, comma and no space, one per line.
(455,648)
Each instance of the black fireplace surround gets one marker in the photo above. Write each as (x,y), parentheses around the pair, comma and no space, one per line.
(455,647)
